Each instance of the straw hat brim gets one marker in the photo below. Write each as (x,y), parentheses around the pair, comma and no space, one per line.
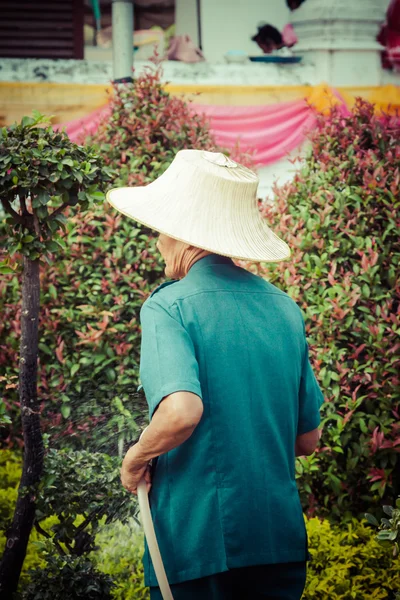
(260,244)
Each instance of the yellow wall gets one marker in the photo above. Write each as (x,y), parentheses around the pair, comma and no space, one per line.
(70,101)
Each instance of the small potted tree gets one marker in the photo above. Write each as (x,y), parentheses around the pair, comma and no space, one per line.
(42,175)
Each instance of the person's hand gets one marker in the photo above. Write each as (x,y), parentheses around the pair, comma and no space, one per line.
(133,470)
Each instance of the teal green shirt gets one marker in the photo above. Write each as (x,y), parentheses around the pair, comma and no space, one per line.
(227,497)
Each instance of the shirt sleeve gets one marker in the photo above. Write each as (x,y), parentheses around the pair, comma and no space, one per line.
(310,399)
(168,362)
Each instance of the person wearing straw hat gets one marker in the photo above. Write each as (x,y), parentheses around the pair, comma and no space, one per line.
(231,393)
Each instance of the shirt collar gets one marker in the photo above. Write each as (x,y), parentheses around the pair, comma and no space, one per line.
(210,259)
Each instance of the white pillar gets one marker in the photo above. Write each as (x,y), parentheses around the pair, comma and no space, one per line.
(122,40)
(339,37)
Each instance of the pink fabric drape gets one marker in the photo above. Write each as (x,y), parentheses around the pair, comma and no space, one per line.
(271,131)
(77,128)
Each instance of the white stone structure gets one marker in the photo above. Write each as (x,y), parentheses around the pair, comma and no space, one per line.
(336,40)
(230,24)
(339,38)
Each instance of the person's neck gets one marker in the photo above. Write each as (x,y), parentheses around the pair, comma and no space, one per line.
(184,259)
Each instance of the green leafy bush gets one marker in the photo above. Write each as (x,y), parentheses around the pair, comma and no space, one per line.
(10,475)
(80,492)
(41,169)
(68,578)
(389,533)
(80,488)
(348,563)
(340,215)
(119,554)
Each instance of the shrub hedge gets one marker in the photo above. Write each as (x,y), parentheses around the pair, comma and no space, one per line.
(119,554)
(347,562)
(341,217)
(91,297)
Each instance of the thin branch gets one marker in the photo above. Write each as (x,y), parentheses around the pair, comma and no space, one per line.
(89,519)
(58,210)
(25,211)
(68,546)
(36,224)
(11,211)
(50,537)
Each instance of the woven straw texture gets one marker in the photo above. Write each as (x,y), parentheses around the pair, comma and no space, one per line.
(206,200)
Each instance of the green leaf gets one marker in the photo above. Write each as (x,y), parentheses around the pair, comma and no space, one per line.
(27,239)
(74,369)
(6,270)
(43,197)
(65,411)
(52,246)
(97,196)
(27,121)
(67,161)
(366,291)
(387,535)
(14,248)
(60,218)
(371,519)
(388,510)
(42,212)
(52,291)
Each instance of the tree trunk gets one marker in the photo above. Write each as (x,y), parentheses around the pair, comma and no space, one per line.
(20,529)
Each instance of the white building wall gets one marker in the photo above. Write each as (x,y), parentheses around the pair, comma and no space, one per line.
(230,24)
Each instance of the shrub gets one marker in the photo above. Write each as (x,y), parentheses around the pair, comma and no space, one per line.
(389,534)
(90,299)
(68,578)
(347,562)
(80,488)
(147,127)
(340,215)
(119,554)
(79,492)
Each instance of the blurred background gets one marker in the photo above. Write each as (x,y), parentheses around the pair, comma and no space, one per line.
(227,55)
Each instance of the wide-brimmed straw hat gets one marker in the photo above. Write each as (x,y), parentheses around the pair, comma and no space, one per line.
(206,200)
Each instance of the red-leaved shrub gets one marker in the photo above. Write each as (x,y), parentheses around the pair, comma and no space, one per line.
(148,126)
(91,297)
(340,215)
